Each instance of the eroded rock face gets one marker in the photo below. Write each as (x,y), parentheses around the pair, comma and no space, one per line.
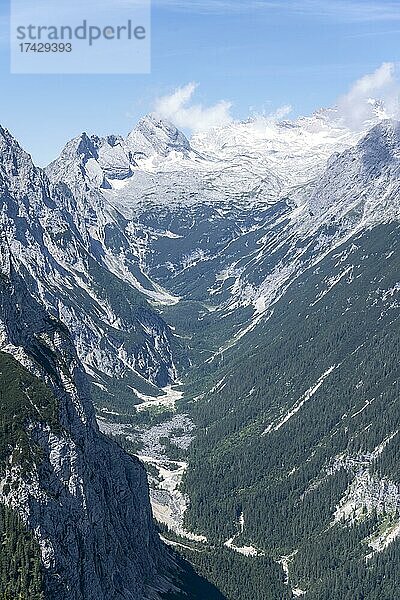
(85,499)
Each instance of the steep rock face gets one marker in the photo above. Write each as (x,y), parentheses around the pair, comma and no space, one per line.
(113,157)
(84,498)
(361,184)
(73,254)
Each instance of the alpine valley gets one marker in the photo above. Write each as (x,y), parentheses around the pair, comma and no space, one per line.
(221,313)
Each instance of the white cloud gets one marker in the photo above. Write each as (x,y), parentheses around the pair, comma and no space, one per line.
(177,107)
(281,112)
(360,103)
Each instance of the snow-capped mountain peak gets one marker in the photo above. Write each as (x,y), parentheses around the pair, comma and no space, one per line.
(154,135)
(101,161)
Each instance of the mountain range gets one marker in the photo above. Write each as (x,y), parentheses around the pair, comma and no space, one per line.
(229,303)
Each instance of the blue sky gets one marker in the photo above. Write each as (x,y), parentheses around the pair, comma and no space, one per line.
(256,55)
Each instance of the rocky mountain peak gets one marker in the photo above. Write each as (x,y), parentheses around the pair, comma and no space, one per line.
(18,174)
(12,157)
(77,162)
(154,135)
(86,147)
(78,150)
(99,160)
